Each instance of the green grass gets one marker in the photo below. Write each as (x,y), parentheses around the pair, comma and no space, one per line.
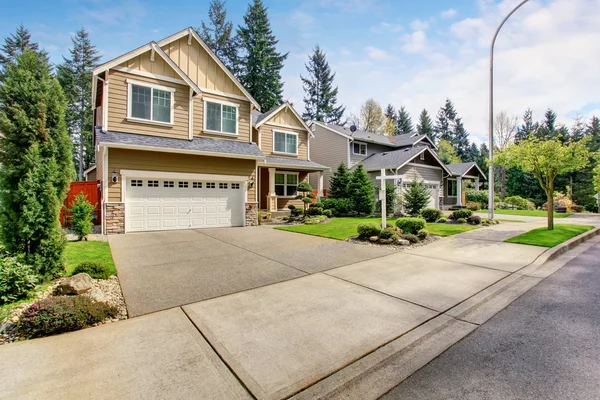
(545,238)
(528,213)
(343,228)
(77,252)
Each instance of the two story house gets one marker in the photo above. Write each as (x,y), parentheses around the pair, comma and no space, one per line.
(403,157)
(181,144)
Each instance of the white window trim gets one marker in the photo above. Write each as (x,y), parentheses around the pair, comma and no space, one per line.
(222,103)
(285,153)
(286,184)
(360,144)
(130,118)
(448,187)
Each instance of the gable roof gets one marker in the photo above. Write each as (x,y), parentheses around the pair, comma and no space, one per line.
(192,33)
(462,169)
(398,158)
(265,117)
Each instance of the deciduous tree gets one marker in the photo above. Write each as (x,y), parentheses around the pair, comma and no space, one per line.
(447,153)
(370,118)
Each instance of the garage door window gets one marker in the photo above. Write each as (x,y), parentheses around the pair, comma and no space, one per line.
(223,186)
(183,184)
(197,185)
(152,183)
(168,184)
(286,184)
(211,185)
(136,182)
(235,185)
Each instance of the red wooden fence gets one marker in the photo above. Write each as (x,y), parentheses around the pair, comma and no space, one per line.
(91,191)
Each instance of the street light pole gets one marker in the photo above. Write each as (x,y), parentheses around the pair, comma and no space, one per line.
(491,116)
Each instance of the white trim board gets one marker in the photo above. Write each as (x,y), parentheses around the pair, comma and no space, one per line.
(178,151)
(424,165)
(145,74)
(288,106)
(128,173)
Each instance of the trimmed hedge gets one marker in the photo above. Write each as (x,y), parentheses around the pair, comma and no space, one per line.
(338,206)
(461,214)
(365,231)
(411,225)
(431,214)
(94,269)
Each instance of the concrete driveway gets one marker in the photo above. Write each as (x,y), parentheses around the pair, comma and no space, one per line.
(161,270)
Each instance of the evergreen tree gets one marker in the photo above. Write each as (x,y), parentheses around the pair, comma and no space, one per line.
(577,131)
(472,154)
(482,158)
(444,122)
(36,159)
(218,35)
(320,101)
(391,124)
(390,113)
(528,127)
(425,126)
(592,130)
(339,185)
(260,62)
(415,198)
(405,124)
(362,191)
(15,45)
(460,138)
(75,77)
(547,129)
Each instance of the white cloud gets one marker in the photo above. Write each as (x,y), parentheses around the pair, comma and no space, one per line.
(447,14)
(419,25)
(376,54)
(415,42)
(386,27)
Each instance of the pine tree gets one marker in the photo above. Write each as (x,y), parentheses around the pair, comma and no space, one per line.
(320,101)
(390,113)
(460,138)
(528,127)
(547,129)
(443,124)
(260,62)
(405,124)
(362,191)
(473,153)
(75,77)
(415,198)
(218,35)
(592,129)
(339,185)
(15,45)
(425,126)
(36,159)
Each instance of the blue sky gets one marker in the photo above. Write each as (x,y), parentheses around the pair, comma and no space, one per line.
(404,52)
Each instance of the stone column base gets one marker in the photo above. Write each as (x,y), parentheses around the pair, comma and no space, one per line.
(114,218)
(251,214)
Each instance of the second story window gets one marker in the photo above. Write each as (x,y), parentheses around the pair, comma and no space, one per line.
(150,103)
(359,149)
(285,143)
(220,118)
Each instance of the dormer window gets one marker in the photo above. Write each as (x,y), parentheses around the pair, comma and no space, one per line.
(359,149)
(220,118)
(285,143)
(150,103)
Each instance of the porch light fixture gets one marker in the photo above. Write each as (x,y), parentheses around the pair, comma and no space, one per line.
(115,176)
(251,181)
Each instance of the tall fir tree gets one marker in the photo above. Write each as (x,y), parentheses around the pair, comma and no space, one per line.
(260,62)
(320,100)
(75,77)
(473,153)
(528,127)
(444,121)
(404,121)
(339,185)
(218,34)
(15,45)
(390,113)
(362,191)
(425,125)
(460,138)
(37,163)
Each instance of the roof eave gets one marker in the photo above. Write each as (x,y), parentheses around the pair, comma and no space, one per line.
(180,151)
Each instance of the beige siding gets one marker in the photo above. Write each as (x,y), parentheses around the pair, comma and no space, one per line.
(170,162)
(91,176)
(266,141)
(158,67)
(329,149)
(117,108)
(243,118)
(286,117)
(200,67)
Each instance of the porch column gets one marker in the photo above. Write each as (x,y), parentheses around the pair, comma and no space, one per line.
(477,184)
(320,187)
(271,196)
(459,191)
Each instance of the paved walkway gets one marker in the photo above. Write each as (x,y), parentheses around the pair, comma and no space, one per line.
(302,337)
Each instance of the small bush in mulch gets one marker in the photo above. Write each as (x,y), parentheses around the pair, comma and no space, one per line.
(431,214)
(458,214)
(410,237)
(388,233)
(328,213)
(442,220)
(16,279)
(461,221)
(317,219)
(474,220)
(411,225)
(55,315)
(422,234)
(94,269)
(365,231)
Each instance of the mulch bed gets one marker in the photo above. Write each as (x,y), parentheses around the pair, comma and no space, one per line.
(398,247)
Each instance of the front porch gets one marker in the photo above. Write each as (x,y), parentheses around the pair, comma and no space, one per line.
(463,176)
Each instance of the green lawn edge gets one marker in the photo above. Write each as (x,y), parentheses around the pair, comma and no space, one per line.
(544,238)
(527,213)
(78,252)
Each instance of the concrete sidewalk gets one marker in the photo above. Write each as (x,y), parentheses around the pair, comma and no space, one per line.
(356,330)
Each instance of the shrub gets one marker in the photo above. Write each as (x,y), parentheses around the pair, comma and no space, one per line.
(461,221)
(94,269)
(16,279)
(339,185)
(60,314)
(388,233)
(328,213)
(473,206)
(411,238)
(365,231)
(390,200)
(317,204)
(317,219)
(442,220)
(474,220)
(305,193)
(81,216)
(410,225)
(339,206)
(461,214)
(422,234)
(296,212)
(415,197)
(477,196)
(431,214)
(520,203)
(291,207)
(314,211)
(577,208)
(362,191)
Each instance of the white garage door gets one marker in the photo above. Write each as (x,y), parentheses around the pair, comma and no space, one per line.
(433,188)
(166,204)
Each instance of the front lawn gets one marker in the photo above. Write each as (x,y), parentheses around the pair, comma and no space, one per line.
(343,228)
(528,213)
(77,252)
(545,238)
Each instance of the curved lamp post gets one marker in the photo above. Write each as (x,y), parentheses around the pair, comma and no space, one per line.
(491,116)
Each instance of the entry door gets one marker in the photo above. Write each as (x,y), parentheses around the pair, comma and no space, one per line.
(167,204)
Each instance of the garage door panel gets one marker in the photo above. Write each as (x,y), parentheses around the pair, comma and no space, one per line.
(158,204)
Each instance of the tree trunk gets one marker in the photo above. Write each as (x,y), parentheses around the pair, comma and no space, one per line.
(549,195)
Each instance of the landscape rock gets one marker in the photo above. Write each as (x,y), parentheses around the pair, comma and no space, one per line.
(374,238)
(386,241)
(76,284)
(98,295)
(402,242)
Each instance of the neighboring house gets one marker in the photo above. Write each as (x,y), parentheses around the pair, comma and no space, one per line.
(180,143)
(90,174)
(454,183)
(404,158)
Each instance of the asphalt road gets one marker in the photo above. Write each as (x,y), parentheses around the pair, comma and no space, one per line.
(545,345)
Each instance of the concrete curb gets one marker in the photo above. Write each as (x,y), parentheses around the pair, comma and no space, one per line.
(556,251)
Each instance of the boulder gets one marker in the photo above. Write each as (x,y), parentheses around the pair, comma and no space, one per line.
(97,295)
(374,239)
(402,242)
(386,241)
(76,284)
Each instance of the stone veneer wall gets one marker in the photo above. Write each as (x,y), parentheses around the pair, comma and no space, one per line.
(115,218)
(251,214)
